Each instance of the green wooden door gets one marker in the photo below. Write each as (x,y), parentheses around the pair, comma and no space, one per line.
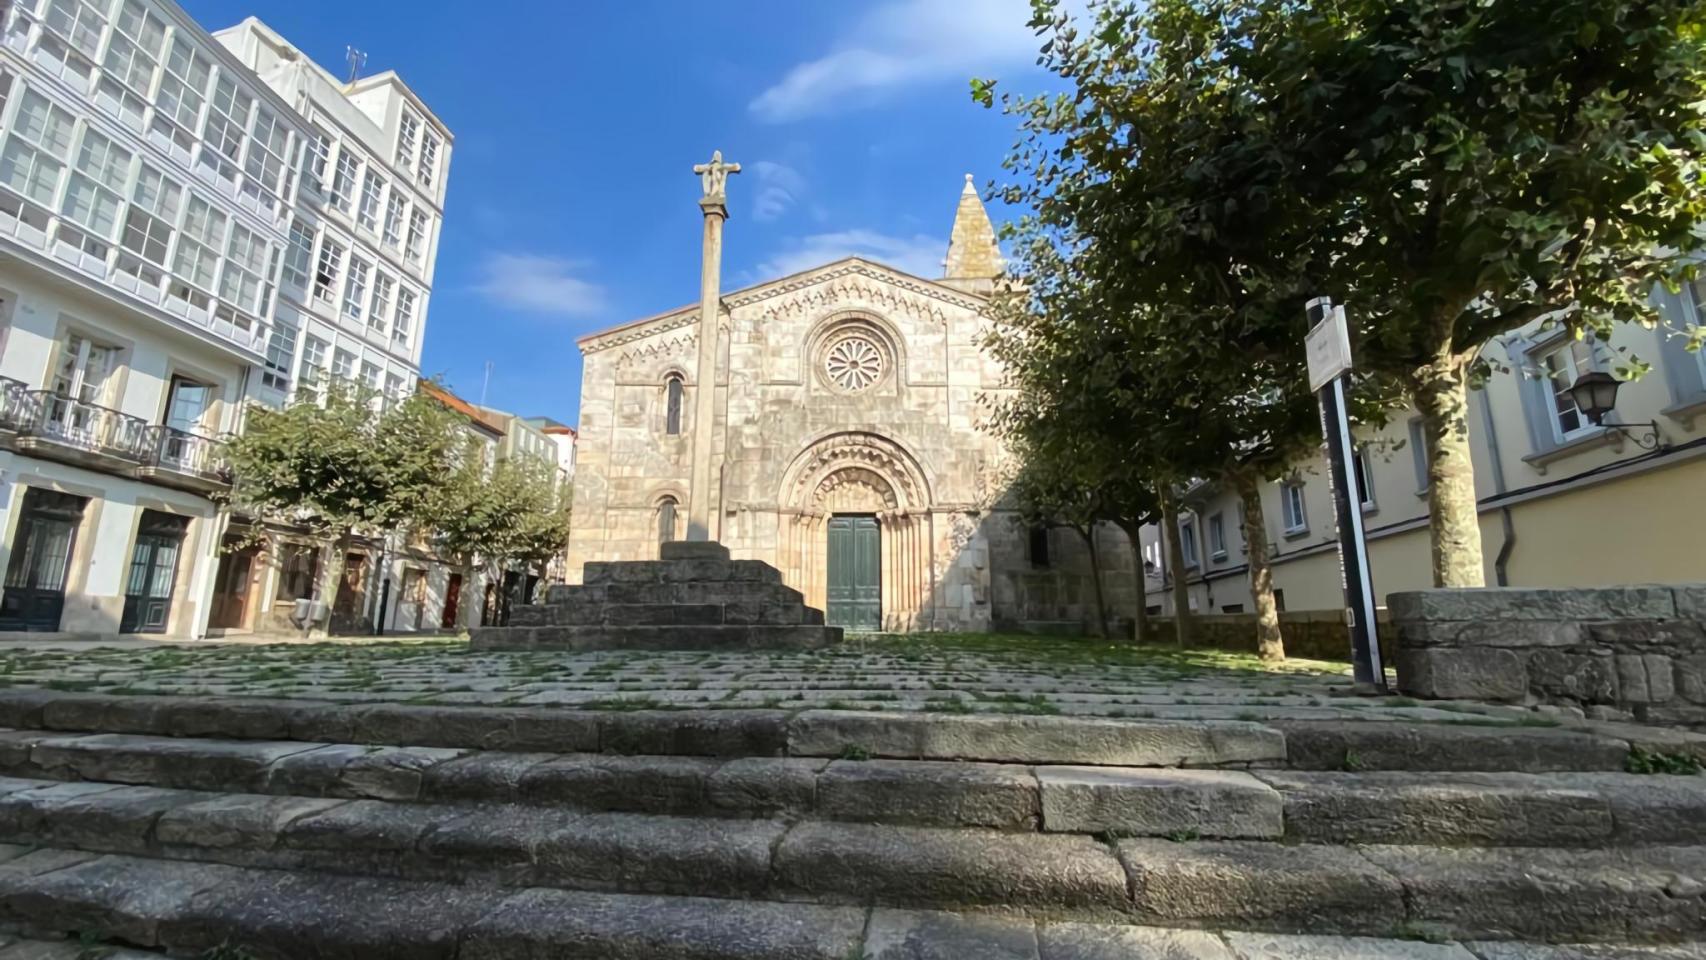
(855,574)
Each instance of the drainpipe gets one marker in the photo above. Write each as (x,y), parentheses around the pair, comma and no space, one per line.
(1506,522)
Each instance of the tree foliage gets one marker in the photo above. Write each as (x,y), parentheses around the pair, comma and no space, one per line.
(341,464)
(514,510)
(1450,169)
(336,464)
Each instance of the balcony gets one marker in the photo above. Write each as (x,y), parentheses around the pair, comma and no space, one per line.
(79,432)
(179,458)
(57,427)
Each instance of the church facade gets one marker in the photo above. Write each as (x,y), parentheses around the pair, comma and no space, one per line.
(848,448)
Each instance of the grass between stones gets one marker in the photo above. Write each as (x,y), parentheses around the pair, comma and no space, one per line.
(940,672)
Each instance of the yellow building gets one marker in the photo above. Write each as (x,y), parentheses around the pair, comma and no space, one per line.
(1563,502)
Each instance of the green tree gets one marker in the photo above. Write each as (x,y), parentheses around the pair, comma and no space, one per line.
(490,515)
(1464,167)
(341,464)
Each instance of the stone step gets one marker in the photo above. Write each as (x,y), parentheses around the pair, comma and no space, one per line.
(666,627)
(1486,809)
(720,733)
(1491,809)
(186,908)
(1647,893)
(1128,801)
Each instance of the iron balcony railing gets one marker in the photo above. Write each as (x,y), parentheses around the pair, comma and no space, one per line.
(185,452)
(15,404)
(84,425)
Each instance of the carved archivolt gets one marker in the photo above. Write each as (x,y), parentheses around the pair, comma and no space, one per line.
(855,458)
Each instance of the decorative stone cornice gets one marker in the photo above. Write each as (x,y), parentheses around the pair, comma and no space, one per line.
(845,280)
(687,316)
(680,343)
(856,279)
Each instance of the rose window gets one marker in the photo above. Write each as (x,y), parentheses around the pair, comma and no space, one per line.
(854,363)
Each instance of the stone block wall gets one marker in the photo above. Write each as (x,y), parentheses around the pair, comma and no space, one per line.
(1615,652)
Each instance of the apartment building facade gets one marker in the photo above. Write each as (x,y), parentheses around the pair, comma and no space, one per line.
(1563,502)
(161,252)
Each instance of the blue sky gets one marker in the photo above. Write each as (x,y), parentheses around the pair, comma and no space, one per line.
(572,205)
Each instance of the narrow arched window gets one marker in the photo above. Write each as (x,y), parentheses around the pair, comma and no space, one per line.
(672,419)
(666,520)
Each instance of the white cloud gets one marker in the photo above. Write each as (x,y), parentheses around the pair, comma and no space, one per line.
(919,255)
(779,187)
(539,284)
(902,44)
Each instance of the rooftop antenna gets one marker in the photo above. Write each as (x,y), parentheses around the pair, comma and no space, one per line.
(356,60)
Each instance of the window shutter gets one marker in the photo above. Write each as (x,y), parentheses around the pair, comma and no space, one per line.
(1532,388)
(1682,370)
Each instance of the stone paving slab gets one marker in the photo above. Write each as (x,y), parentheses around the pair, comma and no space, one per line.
(925,673)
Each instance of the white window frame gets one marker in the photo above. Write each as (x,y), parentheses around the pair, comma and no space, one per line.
(346,177)
(1217,536)
(372,196)
(1419,453)
(1294,509)
(1572,366)
(155,203)
(418,228)
(403,321)
(201,235)
(379,312)
(408,135)
(429,159)
(1363,478)
(1188,541)
(328,267)
(43,157)
(396,210)
(343,364)
(183,89)
(298,265)
(356,275)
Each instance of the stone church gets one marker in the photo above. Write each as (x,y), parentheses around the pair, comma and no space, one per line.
(847,449)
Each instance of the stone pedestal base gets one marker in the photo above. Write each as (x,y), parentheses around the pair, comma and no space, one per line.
(695,598)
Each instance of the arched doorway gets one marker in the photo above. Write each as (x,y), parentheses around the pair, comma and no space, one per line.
(857,532)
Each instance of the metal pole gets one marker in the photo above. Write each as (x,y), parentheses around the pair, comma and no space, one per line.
(1353,546)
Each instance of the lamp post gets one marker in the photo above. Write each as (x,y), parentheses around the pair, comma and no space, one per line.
(1595,395)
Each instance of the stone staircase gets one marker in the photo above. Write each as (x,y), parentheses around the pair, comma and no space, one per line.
(287,828)
(693,598)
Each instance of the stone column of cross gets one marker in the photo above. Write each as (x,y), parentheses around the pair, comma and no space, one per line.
(713,179)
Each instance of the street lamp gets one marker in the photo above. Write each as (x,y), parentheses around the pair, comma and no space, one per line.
(1595,395)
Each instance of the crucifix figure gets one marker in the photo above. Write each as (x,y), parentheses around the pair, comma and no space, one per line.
(714,175)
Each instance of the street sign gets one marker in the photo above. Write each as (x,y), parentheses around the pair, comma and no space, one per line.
(1329,361)
(1328,344)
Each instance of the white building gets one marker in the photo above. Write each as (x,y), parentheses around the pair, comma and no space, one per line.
(164,259)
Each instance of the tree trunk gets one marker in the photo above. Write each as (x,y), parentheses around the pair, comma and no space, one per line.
(1270,644)
(331,578)
(1140,619)
(1441,392)
(1182,625)
(1089,535)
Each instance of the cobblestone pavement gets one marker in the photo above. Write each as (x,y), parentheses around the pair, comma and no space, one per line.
(944,673)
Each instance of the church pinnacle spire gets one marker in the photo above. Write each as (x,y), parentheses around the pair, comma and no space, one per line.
(973,254)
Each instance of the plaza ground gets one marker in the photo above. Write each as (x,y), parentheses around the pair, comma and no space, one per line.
(945,673)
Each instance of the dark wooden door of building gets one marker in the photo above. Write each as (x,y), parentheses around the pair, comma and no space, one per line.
(855,573)
(153,573)
(452,599)
(231,586)
(34,597)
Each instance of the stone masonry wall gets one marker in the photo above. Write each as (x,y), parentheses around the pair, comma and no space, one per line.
(1613,652)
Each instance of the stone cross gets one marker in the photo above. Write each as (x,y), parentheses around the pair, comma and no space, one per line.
(714,176)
